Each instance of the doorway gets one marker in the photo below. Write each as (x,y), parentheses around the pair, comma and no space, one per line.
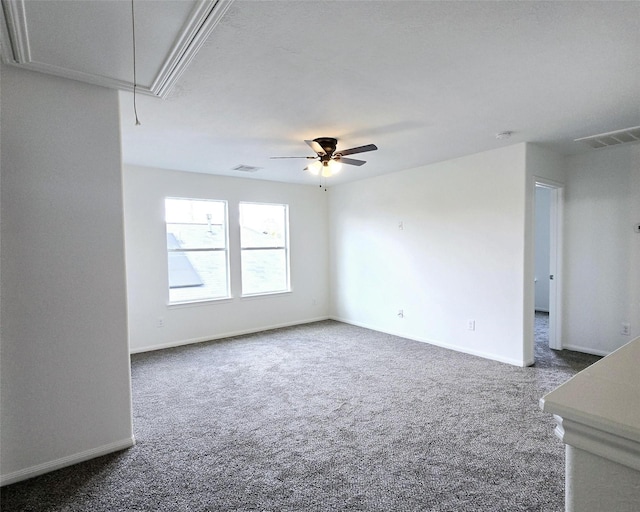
(547,260)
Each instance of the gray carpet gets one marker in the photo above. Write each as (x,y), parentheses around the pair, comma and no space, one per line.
(323,417)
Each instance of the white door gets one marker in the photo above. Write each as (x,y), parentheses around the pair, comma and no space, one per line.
(553,279)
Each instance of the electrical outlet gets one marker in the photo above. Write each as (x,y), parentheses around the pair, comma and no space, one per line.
(400,313)
(626,329)
(160,322)
(471,325)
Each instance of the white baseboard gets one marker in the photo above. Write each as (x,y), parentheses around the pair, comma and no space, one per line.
(455,348)
(229,334)
(46,467)
(586,350)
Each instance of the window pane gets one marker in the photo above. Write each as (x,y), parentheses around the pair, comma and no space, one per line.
(182,273)
(194,211)
(196,249)
(195,236)
(263,225)
(264,271)
(197,275)
(263,238)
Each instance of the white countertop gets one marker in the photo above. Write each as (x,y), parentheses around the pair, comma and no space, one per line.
(606,395)
(602,402)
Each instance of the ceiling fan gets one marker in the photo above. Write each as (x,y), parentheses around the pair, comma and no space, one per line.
(328,161)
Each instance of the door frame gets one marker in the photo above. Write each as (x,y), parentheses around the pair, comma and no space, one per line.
(556,209)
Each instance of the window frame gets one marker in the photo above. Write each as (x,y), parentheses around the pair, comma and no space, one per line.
(225,249)
(286,248)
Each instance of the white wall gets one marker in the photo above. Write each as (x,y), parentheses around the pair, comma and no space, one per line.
(602,251)
(542,239)
(459,257)
(145,192)
(64,350)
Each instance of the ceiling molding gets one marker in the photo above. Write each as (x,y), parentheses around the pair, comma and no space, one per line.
(15,47)
(15,41)
(72,74)
(203,20)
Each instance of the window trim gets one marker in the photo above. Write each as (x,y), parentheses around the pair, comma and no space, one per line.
(286,248)
(226,249)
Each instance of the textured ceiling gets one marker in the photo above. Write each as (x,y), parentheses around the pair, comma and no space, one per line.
(425,81)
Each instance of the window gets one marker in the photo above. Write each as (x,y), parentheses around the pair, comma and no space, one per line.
(264,241)
(197,249)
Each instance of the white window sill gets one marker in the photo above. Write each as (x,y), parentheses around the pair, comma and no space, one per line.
(265,295)
(201,302)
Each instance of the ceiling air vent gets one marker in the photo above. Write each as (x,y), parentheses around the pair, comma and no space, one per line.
(604,140)
(245,168)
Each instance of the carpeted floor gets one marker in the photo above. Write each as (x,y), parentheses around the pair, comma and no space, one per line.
(322,417)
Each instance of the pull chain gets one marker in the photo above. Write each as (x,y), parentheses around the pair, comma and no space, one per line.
(135,81)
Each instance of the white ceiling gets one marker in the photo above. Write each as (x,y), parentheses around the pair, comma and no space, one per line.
(423,80)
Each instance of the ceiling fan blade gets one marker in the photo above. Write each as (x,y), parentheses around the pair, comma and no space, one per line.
(307,157)
(359,149)
(316,147)
(351,161)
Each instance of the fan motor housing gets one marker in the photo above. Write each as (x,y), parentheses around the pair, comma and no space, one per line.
(328,144)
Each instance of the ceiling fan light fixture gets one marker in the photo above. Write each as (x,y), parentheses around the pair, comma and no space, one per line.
(330,167)
(314,167)
(328,161)
(335,166)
